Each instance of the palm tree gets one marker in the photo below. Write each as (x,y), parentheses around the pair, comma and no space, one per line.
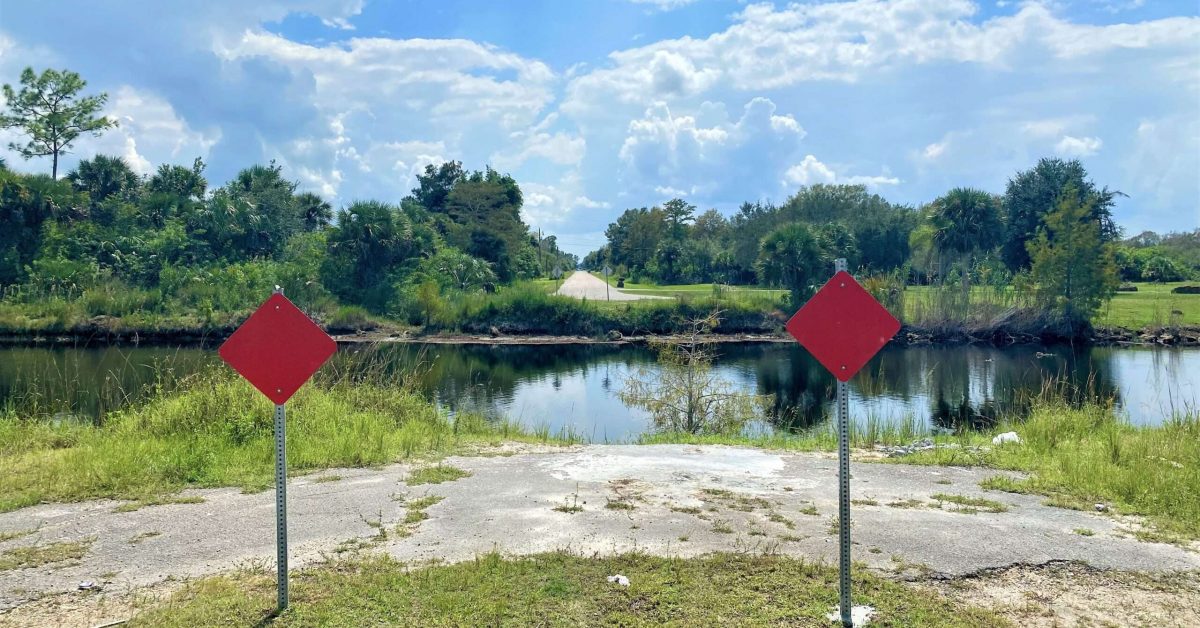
(965,221)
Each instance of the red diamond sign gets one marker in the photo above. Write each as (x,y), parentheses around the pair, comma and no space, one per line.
(843,326)
(277,349)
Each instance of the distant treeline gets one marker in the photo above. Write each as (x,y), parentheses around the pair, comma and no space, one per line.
(1050,221)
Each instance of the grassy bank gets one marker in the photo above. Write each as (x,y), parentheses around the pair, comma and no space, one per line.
(217,431)
(557,590)
(528,307)
(1075,456)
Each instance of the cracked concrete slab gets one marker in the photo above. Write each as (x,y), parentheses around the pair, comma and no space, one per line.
(663,499)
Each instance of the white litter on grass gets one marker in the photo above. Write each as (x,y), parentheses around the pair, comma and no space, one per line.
(859,615)
(619,579)
(1007,437)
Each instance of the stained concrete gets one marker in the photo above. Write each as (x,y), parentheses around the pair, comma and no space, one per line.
(678,500)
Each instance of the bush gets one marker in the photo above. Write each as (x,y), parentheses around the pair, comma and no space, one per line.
(350,318)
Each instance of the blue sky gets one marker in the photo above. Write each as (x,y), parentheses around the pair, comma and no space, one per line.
(602,105)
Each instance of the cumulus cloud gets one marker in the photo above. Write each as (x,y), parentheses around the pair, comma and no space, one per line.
(811,171)
(845,41)
(552,205)
(667,151)
(1070,146)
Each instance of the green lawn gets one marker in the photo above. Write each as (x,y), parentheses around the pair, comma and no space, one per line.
(557,589)
(689,289)
(1152,304)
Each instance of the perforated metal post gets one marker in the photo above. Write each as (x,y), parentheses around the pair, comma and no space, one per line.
(281,539)
(843,419)
(281,555)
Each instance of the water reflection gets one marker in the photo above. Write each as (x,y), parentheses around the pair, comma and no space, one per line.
(575,386)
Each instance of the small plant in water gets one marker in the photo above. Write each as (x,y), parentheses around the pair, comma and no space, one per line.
(686,395)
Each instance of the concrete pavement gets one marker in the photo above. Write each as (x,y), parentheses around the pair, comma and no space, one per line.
(672,499)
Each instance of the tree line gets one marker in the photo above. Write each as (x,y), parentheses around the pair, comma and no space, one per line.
(1051,229)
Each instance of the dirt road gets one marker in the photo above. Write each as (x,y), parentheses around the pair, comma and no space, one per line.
(584,285)
(669,499)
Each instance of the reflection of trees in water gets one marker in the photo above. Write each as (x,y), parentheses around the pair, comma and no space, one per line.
(485,377)
(962,387)
(967,387)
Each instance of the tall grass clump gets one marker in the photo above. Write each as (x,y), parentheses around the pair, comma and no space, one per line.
(217,431)
(1080,455)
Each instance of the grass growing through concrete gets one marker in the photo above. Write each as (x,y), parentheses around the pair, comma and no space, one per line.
(48,554)
(217,431)
(1078,457)
(436,475)
(969,505)
(557,590)
(15,534)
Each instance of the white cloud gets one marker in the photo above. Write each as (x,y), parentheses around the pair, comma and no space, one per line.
(149,132)
(663,150)
(552,205)
(811,171)
(1070,146)
(664,5)
(936,149)
(844,41)
(459,98)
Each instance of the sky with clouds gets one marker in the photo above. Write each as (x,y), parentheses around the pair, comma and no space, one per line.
(600,105)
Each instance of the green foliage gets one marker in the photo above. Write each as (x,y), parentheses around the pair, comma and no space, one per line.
(1074,270)
(670,244)
(365,247)
(1033,193)
(792,257)
(685,395)
(49,109)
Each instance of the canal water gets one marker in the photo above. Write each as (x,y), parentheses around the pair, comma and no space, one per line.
(576,387)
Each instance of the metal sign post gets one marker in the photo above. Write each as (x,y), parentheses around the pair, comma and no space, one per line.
(843,419)
(277,349)
(843,327)
(607,272)
(281,536)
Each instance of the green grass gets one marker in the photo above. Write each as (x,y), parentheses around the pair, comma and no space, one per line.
(556,590)
(218,432)
(436,475)
(1078,457)
(969,505)
(39,555)
(1152,305)
(15,534)
(157,501)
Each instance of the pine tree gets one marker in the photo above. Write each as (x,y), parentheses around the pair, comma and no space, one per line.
(1073,268)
